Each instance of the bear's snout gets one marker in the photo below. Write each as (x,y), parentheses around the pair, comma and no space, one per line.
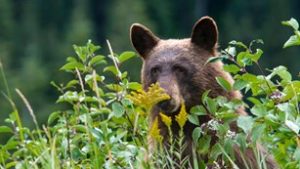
(169,106)
(170,86)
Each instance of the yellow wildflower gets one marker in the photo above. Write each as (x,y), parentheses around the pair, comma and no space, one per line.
(166,119)
(147,100)
(182,116)
(155,131)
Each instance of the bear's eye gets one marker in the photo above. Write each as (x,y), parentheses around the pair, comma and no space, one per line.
(155,71)
(179,69)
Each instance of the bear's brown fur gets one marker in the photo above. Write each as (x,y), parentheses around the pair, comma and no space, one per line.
(179,67)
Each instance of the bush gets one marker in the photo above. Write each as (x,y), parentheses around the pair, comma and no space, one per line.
(105,122)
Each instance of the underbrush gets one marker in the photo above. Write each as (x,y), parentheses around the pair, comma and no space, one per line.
(105,124)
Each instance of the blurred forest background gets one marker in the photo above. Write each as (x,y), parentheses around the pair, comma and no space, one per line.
(36,36)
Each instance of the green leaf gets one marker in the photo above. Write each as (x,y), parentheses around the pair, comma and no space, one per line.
(294,40)
(231,68)
(255,57)
(193,119)
(72,66)
(196,134)
(244,58)
(111,69)
(213,59)
(231,50)
(259,110)
(224,83)
(53,116)
(292,126)
(239,84)
(72,83)
(114,87)
(134,86)
(205,96)
(211,105)
(282,72)
(245,123)
(118,109)
(292,23)
(99,59)
(291,90)
(296,154)
(257,132)
(125,56)
(5,129)
(205,144)
(215,152)
(198,110)
(240,44)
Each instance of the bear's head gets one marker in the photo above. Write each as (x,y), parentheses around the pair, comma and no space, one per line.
(178,65)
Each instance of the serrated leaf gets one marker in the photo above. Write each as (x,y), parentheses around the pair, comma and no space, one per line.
(223,83)
(125,56)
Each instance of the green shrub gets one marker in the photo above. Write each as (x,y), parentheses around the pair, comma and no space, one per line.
(105,122)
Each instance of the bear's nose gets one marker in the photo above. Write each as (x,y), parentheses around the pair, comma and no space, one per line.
(167,106)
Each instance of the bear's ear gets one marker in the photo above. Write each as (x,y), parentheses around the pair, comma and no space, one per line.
(142,39)
(205,33)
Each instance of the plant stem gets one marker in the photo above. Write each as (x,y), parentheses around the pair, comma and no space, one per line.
(5,80)
(263,73)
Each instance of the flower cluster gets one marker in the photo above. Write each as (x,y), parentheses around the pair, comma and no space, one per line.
(166,119)
(155,131)
(147,99)
(182,116)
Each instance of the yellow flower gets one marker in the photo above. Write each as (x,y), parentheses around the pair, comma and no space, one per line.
(155,131)
(166,119)
(147,100)
(182,116)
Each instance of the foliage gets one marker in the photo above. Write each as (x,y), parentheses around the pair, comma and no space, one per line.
(105,123)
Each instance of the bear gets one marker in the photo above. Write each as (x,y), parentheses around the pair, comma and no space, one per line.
(179,66)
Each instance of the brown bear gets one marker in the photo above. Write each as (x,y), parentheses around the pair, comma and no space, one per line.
(178,65)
